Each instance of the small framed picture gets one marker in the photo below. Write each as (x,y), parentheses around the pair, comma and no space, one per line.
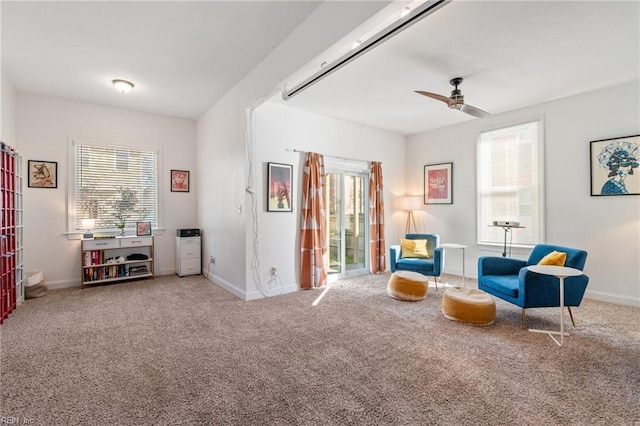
(143,228)
(279,187)
(179,181)
(42,174)
(614,166)
(438,184)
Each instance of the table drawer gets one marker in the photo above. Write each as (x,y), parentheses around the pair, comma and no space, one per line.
(136,242)
(100,244)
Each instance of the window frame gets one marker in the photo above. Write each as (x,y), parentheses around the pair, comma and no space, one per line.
(540,234)
(72,231)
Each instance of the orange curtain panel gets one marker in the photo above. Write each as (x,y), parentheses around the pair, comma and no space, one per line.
(376,219)
(313,243)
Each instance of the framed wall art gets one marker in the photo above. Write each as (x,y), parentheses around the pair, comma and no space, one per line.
(438,183)
(42,174)
(143,228)
(279,187)
(179,181)
(614,166)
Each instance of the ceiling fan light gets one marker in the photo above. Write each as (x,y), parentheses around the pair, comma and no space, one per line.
(123,86)
(456,106)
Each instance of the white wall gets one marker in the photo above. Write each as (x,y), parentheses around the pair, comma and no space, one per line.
(44,126)
(279,130)
(8,113)
(608,228)
(222,155)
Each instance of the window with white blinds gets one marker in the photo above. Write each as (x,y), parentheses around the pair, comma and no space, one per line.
(510,183)
(115,186)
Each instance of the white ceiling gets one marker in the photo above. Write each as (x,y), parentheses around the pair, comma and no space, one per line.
(183,56)
(510,53)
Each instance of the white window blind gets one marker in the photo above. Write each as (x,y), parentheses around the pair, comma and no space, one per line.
(114,185)
(510,183)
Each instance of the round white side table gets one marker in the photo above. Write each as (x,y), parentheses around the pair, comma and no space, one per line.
(457,246)
(561,272)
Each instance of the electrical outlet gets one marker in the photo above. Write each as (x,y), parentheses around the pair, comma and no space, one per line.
(274,271)
(212,260)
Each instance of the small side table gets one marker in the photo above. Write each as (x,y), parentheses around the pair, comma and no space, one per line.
(561,272)
(457,246)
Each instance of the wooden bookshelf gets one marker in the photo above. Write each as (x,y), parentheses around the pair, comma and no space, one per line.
(117,259)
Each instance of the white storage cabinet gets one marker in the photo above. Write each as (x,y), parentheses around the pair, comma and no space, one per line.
(188,256)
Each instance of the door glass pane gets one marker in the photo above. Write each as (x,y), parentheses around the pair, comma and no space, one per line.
(332,203)
(354,222)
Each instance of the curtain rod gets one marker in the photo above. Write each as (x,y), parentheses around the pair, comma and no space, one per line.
(332,156)
(417,15)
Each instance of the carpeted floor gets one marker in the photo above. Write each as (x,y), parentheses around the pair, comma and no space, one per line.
(184,351)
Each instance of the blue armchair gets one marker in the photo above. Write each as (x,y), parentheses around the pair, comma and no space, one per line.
(510,280)
(432,267)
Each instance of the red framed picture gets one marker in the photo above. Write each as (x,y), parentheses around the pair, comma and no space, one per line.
(179,181)
(438,183)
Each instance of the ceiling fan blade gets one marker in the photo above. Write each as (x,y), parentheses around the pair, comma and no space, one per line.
(471,110)
(444,99)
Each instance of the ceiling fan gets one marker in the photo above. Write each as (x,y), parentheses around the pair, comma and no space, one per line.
(456,100)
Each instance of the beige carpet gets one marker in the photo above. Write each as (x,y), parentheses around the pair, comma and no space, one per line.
(183,351)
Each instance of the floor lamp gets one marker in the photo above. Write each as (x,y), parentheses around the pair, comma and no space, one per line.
(410,203)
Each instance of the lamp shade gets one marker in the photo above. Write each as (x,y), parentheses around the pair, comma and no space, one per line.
(88,223)
(410,203)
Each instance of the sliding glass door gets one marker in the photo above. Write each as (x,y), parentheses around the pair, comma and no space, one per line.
(346,201)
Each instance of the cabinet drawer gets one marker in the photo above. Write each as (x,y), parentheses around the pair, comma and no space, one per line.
(100,244)
(189,240)
(188,251)
(189,267)
(136,242)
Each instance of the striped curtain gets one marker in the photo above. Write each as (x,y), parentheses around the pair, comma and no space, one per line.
(313,244)
(376,219)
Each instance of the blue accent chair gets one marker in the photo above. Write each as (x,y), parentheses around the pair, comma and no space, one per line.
(432,267)
(510,280)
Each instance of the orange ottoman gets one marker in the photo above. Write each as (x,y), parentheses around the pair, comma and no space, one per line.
(409,286)
(469,305)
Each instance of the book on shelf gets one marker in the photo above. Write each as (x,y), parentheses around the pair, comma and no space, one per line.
(92,257)
(138,270)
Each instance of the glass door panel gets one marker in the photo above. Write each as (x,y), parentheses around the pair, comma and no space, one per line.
(333,196)
(354,222)
(346,206)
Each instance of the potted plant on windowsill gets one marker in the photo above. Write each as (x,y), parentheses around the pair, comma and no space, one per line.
(124,206)
(120,226)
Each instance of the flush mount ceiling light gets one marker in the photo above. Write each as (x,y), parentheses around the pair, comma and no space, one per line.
(123,86)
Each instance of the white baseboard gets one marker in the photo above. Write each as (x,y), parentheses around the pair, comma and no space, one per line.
(57,285)
(60,284)
(254,295)
(227,286)
(612,298)
(270,292)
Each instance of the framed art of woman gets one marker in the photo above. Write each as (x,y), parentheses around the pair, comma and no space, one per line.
(612,166)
